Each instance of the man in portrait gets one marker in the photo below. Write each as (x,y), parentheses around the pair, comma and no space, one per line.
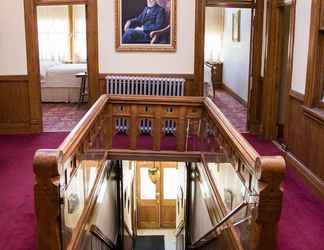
(139,30)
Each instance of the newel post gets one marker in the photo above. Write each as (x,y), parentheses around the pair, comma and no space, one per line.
(271,171)
(47,198)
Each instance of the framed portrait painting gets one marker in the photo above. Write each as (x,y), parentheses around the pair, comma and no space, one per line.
(146,25)
(236,26)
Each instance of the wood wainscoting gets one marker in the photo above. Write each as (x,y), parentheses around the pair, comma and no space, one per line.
(189,84)
(305,142)
(15,106)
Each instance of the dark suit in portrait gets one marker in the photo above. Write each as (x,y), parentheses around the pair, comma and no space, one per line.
(139,28)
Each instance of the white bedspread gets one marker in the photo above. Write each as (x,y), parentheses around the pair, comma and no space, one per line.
(63,75)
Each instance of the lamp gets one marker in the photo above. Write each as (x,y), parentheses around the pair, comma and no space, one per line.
(154,174)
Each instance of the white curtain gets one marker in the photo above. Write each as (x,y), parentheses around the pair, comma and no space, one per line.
(56,36)
(214,33)
(53,33)
(80,39)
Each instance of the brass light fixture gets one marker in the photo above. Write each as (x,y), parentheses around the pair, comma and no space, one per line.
(154,174)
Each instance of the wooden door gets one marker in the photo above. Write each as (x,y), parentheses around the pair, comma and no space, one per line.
(169,187)
(148,197)
(156,203)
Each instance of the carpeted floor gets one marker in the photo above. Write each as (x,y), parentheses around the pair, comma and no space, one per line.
(302,220)
(58,117)
(234,111)
(17,217)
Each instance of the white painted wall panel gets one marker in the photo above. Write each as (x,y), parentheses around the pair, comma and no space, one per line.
(13,60)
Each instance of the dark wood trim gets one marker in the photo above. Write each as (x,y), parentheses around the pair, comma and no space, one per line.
(199,47)
(315,114)
(311,179)
(231,4)
(14,78)
(33,66)
(313,79)
(256,81)
(296,95)
(102,76)
(272,70)
(232,93)
(59,2)
(93,50)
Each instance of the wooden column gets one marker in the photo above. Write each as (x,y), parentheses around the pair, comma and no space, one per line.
(157,128)
(108,130)
(133,130)
(270,171)
(47,199)
(181,130)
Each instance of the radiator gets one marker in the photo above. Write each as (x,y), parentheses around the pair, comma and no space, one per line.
(150,86)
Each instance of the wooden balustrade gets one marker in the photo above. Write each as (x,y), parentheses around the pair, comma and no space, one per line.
(54,168)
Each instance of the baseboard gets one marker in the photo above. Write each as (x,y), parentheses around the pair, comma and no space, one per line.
(233,94)
(311,180)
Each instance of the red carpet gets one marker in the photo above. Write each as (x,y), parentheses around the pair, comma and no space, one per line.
(302,220)
(17,217)
(301,225)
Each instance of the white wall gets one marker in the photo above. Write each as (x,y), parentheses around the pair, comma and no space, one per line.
(182,61)
(13,59)
(302,30)
(237,54)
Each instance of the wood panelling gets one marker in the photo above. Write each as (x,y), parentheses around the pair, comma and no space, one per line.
(14,104)
(189,84)
(305,142)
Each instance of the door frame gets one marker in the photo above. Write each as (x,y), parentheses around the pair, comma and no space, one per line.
(30,9)
(272,70)
(255,81)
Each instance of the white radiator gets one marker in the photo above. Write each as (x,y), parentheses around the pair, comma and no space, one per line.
(150,86)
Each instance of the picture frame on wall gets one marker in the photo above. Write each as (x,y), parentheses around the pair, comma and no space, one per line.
(236,26)
(146,25)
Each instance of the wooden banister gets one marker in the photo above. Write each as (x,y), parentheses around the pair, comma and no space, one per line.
(78,135)
(47,164)
(98,124)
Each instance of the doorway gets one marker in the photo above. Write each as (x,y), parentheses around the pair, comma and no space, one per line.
(62,44)
(156,194)
(228,33)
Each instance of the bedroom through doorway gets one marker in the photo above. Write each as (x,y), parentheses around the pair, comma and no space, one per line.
(62,44)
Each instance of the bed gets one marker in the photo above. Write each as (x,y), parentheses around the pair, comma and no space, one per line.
(58,81)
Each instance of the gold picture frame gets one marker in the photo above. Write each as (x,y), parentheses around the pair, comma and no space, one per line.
(161,40)
(236,26)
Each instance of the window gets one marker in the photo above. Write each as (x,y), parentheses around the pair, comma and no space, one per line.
(62,33)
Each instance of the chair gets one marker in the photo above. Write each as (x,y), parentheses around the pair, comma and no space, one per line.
(162,36)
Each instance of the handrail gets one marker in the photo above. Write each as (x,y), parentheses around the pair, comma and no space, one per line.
(99,235)
(165,100)
(223,221)
(238,141)
(75,137)
(218,201)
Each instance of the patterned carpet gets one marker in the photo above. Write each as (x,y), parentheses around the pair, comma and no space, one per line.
(59,117)
(234,111)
